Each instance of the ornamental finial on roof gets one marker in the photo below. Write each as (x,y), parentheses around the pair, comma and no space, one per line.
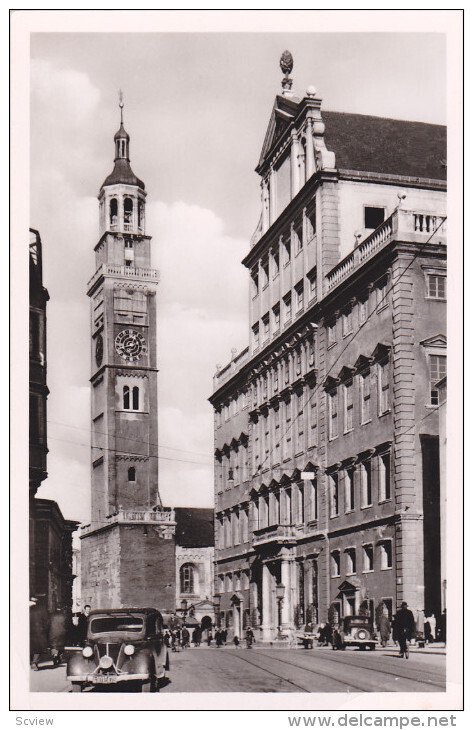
(286,63)
(120,104)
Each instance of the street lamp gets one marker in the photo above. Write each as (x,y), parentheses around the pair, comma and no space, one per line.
(280,590)
(217,599)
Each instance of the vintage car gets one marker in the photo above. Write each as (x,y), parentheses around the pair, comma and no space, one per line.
(355,631)
(124,645)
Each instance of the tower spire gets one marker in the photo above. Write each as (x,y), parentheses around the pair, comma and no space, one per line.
(121,105)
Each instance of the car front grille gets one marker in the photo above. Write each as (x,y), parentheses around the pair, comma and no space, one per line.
(112,650)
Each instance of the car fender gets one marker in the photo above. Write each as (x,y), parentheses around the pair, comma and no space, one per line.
(78,664)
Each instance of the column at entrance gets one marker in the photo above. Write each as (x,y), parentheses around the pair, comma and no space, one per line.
(286,602)
(266,600)
(236,620)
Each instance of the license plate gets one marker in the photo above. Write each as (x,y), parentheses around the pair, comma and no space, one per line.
(104,679)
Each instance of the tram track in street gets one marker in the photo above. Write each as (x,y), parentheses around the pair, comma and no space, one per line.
(272,658)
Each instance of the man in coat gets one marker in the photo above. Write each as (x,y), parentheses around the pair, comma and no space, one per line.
(82,622)
(403,628)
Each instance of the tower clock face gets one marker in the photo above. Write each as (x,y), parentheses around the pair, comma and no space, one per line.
(99,350)
(130,345)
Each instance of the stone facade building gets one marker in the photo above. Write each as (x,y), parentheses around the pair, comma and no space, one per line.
(50,535)
(326,425)
(194,563)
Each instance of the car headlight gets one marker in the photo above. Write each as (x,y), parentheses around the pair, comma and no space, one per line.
(87,652)
(129,649)
(105,662)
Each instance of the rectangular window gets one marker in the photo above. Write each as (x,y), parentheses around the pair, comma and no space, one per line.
(349,490)
(300,422)
(383,387)
(386,554)
(298,361)
(335,561)
(382,294)
(365,394)
(300,504)
(265,321)
(264,273)
(373,217)
(366,491)
(331,333)
(347,323)
(348,403)
(254,283)
(312,277)
(438,370)
(312,500)
(368,558)
(351,560)
(286,370)
(333,414)
(313,418)
(287,307)
(275,264)
(255,329)
(286,250)
(299,289)
(277,436)
(298,238)
(334,494)
(310,221)
(287,431)
(436,286)
(384,477)
(363,310)
(311,354)
(276,318)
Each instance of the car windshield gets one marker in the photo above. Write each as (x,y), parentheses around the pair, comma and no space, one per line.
(108,624)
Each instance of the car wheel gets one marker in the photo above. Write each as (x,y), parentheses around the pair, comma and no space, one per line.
(76,687)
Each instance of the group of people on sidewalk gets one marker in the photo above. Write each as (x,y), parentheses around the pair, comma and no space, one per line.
(50,632)
(178,638)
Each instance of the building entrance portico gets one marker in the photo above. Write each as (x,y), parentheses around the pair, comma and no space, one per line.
(278,590)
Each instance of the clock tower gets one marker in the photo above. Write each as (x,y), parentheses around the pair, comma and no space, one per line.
(128,550)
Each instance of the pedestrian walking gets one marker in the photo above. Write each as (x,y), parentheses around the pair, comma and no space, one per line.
(432,621)
(249,637)
(403,629)
(384,629)
(57,633)
(236,641)
(209,638)
(82,623)
(185,637)
(218,637)
(39,630)
(224,636)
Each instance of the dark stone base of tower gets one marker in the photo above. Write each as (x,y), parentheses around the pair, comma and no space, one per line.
(129,565)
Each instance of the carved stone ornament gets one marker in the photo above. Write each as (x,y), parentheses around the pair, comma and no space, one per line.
(286,62)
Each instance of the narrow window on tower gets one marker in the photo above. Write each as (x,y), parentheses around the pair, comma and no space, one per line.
(113,213)
(132,474)
(128,214)
(136,398)
(126,398)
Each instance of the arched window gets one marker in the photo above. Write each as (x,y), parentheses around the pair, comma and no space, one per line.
(113,212)
(127,213)
(136,398)
(187,578)
(126,398)
(141,211)
(132,474)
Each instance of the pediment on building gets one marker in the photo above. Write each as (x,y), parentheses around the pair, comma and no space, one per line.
(435,341)
(236,598)
(349,586)
(346,373)
(363,363)
(381,351)
(282,116)
(330,383)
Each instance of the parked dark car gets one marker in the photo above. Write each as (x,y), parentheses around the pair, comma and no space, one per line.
(124,645)
(355,631)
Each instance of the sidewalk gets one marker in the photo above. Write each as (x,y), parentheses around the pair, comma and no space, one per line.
(49,680)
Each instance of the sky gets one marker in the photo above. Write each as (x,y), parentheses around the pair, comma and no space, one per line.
(196,108)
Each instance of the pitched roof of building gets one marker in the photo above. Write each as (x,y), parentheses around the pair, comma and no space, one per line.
(194,527)
(390,146)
